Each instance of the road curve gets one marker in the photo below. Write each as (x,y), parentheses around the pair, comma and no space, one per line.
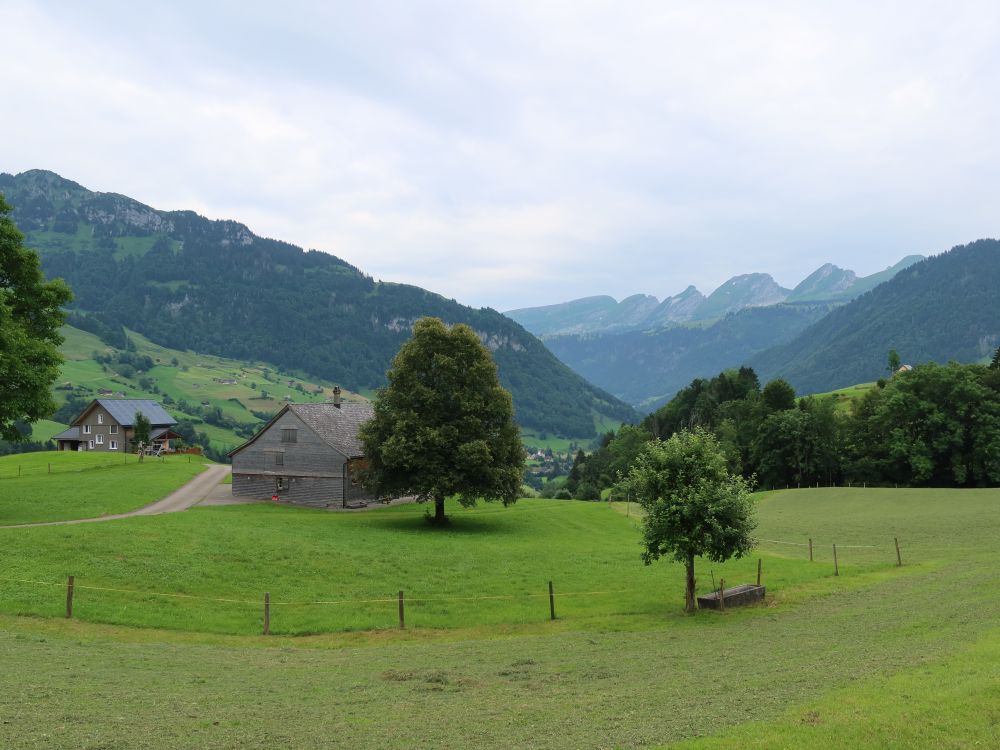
(180,499)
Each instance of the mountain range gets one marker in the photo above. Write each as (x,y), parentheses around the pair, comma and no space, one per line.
(938,309)
(215,287)
(601,314)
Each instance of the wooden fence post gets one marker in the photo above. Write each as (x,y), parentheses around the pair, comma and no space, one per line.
(899,559)
(552,602)
(402,614)
(69,596)
(810,550)
(722,591)
(267,613)
(836,569)
(758,571)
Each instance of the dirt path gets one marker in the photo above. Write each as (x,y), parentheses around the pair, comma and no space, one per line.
(180,499)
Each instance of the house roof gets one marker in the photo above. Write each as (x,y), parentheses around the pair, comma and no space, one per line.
(336,426)
(73,433)
(123,411)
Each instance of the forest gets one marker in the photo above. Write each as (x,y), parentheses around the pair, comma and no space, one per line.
(929,426)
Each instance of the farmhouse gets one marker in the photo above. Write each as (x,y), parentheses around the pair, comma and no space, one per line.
(108,425)
(307,454)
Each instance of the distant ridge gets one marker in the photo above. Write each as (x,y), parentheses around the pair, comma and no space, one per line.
(602,314)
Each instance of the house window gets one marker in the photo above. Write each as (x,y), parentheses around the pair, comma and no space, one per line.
(100,439)
(90,444)
(113,446)
(113,429)
(100,419)
(279,459)
(289,435)
(86,429)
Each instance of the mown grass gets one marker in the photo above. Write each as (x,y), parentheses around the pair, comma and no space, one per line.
(491,566)
(877,657)
(63,485)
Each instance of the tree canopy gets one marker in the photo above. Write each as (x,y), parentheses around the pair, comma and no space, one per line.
(443,425)
(30,316)
(694,506)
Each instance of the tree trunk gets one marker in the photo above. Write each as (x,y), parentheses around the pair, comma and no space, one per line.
(689,601)
(439,517)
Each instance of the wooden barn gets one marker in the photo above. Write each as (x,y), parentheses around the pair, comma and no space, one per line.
(308,454)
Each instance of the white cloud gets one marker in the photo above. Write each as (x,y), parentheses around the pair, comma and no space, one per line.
(513,154)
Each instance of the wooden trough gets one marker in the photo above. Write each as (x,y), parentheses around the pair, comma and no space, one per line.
(737,596)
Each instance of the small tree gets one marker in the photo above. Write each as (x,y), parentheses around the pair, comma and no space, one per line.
(140,433)
(694,506)
(443,425)
(995,364)
(894,361)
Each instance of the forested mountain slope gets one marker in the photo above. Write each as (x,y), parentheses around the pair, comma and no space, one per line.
(215,287)
(944,308)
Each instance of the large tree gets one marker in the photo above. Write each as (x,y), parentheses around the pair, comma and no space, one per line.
(443,426)
(694,506)
(30,316)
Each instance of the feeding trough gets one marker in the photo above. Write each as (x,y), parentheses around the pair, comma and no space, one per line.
(737,596)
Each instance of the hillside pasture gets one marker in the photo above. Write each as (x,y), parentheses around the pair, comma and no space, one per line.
(879,656)
(64,485)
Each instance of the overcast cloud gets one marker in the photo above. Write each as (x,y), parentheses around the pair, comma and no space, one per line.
(511,154)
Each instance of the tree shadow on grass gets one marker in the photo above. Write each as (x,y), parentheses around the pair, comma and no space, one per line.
(458,524)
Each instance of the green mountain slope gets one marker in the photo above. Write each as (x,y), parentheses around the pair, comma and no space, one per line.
(943,308)
(647,368)
(215,287)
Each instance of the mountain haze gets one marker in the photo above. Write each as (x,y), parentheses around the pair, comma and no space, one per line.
(215,287)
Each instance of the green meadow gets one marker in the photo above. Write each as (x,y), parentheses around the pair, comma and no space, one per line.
(165,650)
(63,485)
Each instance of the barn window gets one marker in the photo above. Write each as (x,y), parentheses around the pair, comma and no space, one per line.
(279,459)
(289,435)
(281,483)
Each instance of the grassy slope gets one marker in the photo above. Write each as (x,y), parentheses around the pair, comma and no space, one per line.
(826,664)
(193,379)
(85,485)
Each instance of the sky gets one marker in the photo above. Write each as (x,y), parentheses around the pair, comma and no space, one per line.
(511,154)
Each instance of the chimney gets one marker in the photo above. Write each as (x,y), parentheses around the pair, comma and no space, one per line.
(336,396)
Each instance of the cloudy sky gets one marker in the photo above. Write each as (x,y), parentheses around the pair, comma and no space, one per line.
(510,154)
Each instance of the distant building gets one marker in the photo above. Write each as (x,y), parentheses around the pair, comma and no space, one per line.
(108,425)
(308,454)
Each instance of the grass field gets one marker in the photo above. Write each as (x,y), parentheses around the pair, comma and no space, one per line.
(61,485)
(878,657)
(846,397)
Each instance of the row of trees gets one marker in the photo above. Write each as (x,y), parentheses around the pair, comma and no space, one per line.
(934,425)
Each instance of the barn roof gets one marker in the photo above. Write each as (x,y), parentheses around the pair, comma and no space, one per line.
(336,425)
